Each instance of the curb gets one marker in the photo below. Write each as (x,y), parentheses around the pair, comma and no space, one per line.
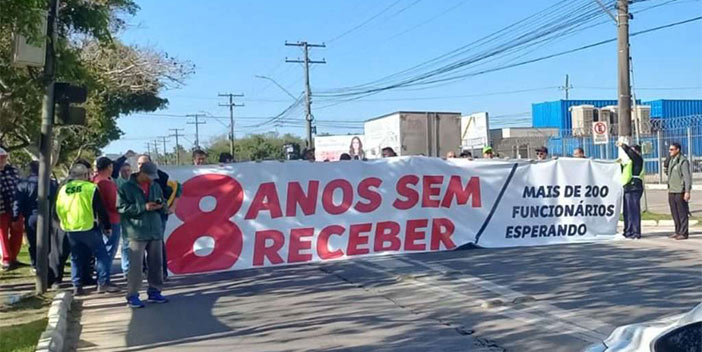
(662,186)
(660,223)
(52,339)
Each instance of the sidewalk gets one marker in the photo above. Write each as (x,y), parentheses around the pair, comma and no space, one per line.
(658,202)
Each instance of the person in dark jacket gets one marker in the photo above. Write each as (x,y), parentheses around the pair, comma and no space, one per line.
(679,188)
(10,226)
(632,180)
(141,205)
(26,206)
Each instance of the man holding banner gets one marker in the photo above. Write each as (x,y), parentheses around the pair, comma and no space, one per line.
(632,180)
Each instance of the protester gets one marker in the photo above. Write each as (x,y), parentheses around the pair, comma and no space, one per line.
(117,170)
(25,206)
(388,152)
(108,194)
(59,248)
(344,156)
(10,225)
(199,157)
(450,155)
(141,205)
(76,205)
(466,155)
(308,154)
(632,180)
(488,153)
(226,158)
(162,182)
(679,188)
(124,172)
(541,153)
(356,149)
(579,153)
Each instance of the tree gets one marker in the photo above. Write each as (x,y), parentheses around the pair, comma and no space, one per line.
(254,147)
(120,79)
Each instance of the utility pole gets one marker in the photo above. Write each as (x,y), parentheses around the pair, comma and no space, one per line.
(165,156)
(177,146)
(308,93)
(197,124)
(47,124)
(624,81)
(156,157)
(231,106)
(567,87)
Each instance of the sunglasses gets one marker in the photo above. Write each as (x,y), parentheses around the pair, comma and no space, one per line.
(540,153)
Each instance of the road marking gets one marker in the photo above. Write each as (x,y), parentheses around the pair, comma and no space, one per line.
(542,315)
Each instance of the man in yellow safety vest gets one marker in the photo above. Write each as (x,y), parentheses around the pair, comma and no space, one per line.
(632,180)
(77,204)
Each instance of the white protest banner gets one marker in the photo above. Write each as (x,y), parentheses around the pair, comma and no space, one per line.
(249,215)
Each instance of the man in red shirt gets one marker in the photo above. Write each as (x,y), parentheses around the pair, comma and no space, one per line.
(108,194)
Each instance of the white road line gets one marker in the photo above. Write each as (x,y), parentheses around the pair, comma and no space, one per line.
(543,315)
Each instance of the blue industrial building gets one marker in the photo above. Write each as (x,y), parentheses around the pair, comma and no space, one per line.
(688,132)
(556,114)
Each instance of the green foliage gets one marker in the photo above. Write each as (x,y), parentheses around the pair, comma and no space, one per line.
(267,146)
(120,79)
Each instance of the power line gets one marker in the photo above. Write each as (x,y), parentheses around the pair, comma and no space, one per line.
(362,24)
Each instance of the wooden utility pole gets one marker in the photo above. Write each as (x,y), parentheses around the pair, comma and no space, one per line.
(177,146)
(231,106)
(624,80)
(197,124)
(308,92)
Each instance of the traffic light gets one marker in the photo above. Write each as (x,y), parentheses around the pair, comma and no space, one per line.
(66,94)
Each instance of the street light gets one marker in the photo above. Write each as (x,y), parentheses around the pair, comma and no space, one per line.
(279,86)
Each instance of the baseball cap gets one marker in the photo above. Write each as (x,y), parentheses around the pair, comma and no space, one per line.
(487,150)
(3,152)
(542,149)
(149,169)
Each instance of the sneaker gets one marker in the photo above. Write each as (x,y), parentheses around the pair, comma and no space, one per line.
(19,264)
(156,297)
(134,302)
(6,266)
(78,291)
(108,288)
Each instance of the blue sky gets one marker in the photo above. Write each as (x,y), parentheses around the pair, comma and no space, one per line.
(232,41)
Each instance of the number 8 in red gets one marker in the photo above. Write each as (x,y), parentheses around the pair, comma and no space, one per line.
(206,223)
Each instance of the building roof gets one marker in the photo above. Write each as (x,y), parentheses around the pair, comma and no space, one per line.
(414,112)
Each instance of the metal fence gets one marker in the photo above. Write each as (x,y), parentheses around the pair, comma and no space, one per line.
(655,136)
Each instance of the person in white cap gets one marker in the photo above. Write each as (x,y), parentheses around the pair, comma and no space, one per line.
(11,228)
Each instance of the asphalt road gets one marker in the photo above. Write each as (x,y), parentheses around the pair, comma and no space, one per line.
(551,298)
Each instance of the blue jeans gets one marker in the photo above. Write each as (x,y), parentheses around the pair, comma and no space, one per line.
(125,255)
(84,244)
(632,213)
(113,243)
